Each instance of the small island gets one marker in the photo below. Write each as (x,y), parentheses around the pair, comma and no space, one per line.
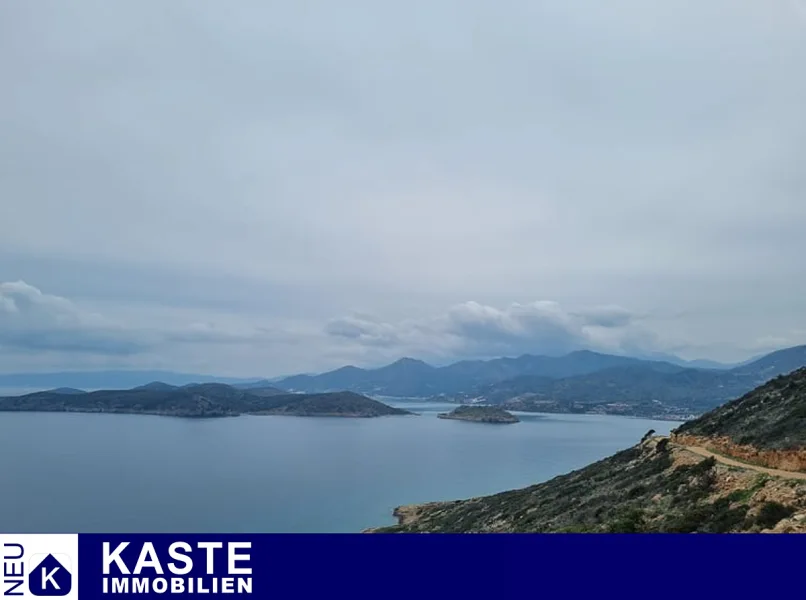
(480,414)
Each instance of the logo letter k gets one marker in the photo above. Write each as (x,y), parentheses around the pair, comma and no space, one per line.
(48,577)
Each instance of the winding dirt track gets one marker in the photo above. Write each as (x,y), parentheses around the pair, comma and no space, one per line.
(735,463)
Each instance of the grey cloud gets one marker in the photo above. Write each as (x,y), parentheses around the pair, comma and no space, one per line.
(294,161)
(468,127)
(363,330)
(472,329)
(607,316)
(541,327)
(31,320)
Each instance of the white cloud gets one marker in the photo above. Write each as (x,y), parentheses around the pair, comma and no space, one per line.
(31,321)
(472,329)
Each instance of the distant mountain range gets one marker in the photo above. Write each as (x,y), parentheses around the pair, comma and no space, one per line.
(695,364)
(582,381)
(413,378)
(650,389)
(408,377)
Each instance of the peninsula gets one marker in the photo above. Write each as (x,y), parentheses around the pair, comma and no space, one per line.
(200,401)
(480,414)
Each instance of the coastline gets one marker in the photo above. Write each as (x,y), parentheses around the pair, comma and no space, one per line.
(88,411)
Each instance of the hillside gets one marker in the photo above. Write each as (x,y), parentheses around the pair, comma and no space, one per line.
(640,387)
(156,386)
(646,389)
(766,426)
(776,363)
(771,417)
(200,400)
(405,377)
(67,391)
(662,484)
(652,487)
(333,404)
(263,390)
(262,384)
(174,402)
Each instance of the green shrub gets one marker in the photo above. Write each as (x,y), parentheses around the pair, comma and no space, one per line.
(635,492)
(740,495)
(771,513)
(703,466)
(631,521)
(723,518)
(716,517)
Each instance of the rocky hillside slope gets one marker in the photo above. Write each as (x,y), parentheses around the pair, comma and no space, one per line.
(765,427)
(652,487)
(661,484)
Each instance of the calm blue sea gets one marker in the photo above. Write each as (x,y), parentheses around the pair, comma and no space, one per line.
(127,473)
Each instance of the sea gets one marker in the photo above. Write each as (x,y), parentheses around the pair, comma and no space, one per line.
(63,473)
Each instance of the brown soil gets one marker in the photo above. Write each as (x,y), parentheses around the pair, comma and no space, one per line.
(780,460)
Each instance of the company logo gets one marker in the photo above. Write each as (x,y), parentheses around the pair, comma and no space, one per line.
(50,575)
(204,568)
(39,566)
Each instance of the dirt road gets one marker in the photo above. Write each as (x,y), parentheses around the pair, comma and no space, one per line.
(735,463)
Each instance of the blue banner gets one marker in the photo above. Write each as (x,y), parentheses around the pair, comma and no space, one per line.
(418,566)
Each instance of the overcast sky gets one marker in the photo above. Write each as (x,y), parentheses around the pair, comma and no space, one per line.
(262,187)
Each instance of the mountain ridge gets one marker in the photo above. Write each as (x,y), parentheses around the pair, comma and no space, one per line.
(645,389)
(408,377)
(581,381)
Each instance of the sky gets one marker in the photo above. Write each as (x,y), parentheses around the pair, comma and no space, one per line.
(259,188)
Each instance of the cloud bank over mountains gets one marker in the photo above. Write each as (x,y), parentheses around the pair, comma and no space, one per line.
(474,330)
(34,323)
